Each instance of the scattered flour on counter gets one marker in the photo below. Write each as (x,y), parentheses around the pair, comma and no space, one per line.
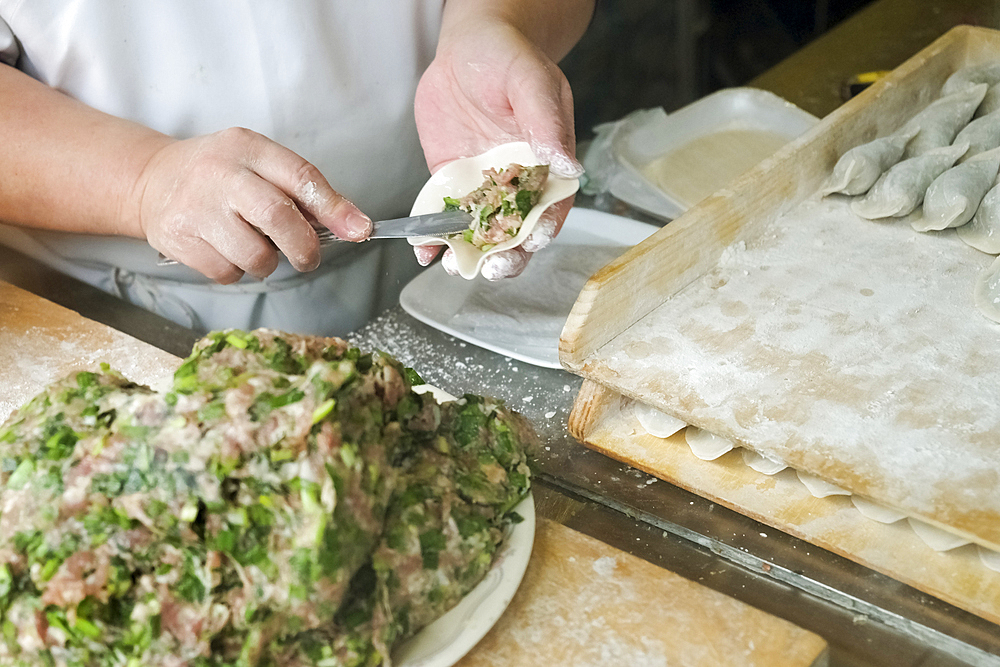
(605,566)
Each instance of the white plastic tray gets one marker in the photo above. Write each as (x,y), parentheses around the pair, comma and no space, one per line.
(523,317)
(651,136)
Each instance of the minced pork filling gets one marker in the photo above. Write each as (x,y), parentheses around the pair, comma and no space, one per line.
(290,501)
(500,205)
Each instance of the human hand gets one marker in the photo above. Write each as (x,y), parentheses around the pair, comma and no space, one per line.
(225,203)
(488,85)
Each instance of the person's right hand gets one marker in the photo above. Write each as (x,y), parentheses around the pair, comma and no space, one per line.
(225,203)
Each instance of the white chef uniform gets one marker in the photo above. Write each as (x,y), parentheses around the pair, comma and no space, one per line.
(332,80)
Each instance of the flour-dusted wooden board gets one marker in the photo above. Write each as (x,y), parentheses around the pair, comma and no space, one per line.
(585,604)
(41,342)
(605,421)
(596,586)
(848,348)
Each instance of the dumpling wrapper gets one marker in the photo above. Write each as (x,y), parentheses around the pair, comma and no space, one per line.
(877,512)
(763,464)
(954,196)
(657,423)
(990,103)
(971,75)
(706,446)
(982,134)
(983,231)
(987,291)
(858,169)
(819,487)
(460,177)
(900,190)
(942,119)
(934,537)
(989,558)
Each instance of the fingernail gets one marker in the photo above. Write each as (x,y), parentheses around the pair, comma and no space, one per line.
(359,226)
(424,255)
(559,161)
(541,235)
(450,263)
(566,166)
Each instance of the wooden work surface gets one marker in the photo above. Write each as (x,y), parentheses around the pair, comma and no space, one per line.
(582,602)
(605,421)
(849,349)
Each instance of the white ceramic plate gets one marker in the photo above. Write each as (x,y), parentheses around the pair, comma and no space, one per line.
(460,177)
(445,641)
(523,317)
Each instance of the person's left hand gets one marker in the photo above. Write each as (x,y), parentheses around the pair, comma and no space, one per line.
(489,85)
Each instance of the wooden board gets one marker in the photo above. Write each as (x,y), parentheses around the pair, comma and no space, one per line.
(41,342)
(604,420)
(605,604)
(583,603)
(752,316)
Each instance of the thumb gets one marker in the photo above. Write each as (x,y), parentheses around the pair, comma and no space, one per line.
(542,103)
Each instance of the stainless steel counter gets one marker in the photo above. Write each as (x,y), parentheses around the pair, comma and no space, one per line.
(867,618)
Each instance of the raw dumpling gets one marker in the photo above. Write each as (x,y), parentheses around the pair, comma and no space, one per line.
(942,119)
(987,292)
(982,134)
(983,232)
(954,196)
(901,189)
(966,77)
(990,103)
(858,169)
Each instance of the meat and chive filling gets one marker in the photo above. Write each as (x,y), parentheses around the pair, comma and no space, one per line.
(289,502)
(500,205)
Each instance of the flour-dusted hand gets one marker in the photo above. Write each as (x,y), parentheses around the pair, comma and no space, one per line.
(494,80)
(225,203)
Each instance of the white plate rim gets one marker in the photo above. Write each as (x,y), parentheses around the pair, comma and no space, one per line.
(599,223)
(446,641)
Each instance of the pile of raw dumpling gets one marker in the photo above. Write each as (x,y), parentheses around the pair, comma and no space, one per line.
(939,170)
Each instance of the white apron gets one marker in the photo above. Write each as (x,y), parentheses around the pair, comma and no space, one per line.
(332,80)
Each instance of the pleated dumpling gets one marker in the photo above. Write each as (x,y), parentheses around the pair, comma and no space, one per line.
(966,77)
(858,169)
(983,231)
(942,119)
(953,197)
(901,189)
(982,134)
(990,103)
(987,291)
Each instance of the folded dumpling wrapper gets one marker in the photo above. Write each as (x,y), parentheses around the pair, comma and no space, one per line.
(942,119)
(858,169)
(901,189)
(990,103)
(987,291)
(954,197)
(460,177)
(983,231)
(971,75)
(982,134)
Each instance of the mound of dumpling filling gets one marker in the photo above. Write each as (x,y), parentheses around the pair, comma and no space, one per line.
(289,501)
(500,205)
